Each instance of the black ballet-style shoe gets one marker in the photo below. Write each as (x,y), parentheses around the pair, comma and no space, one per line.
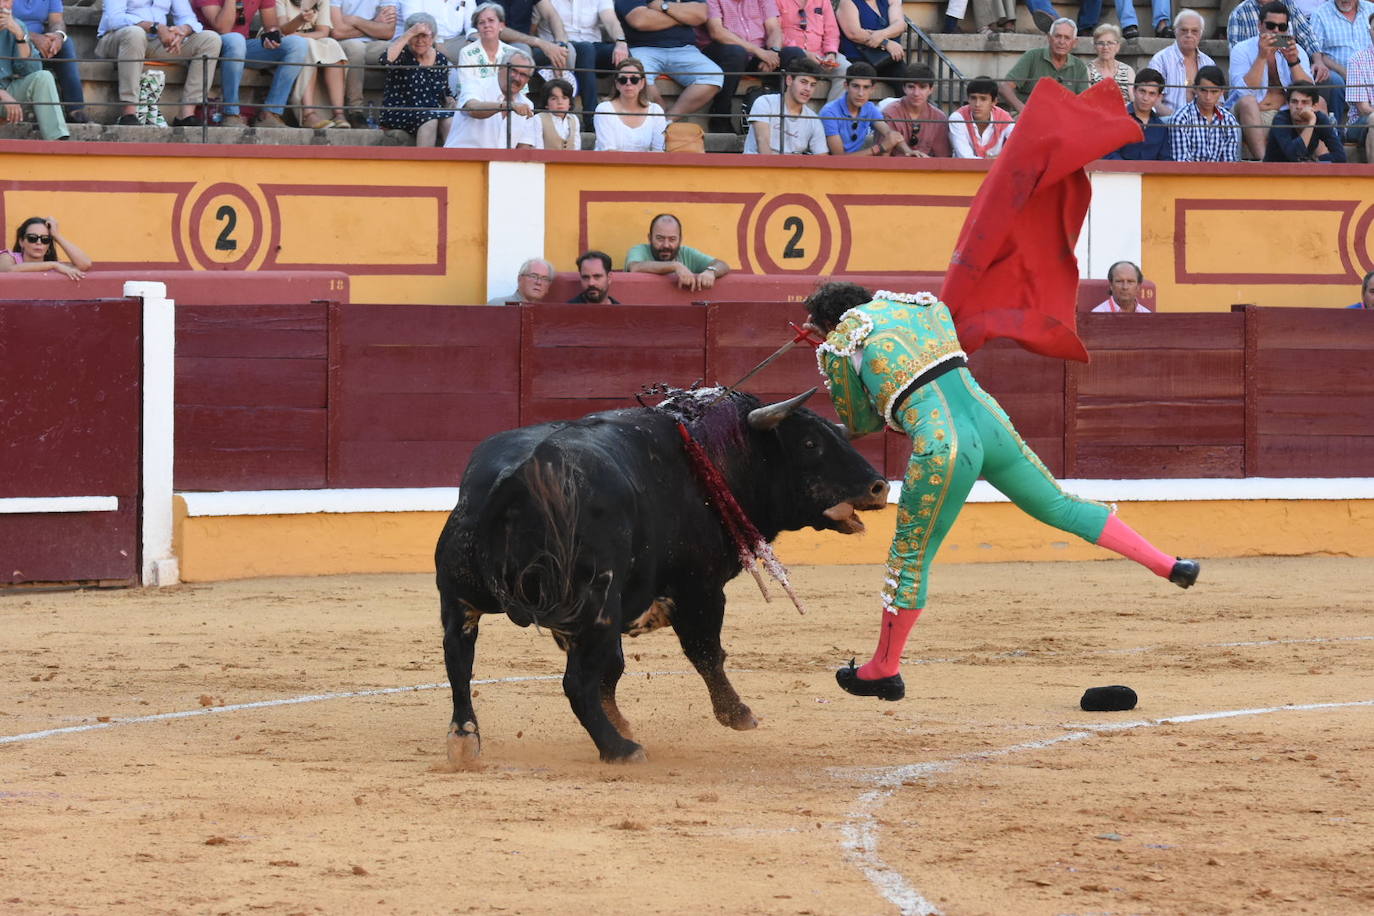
(1184,572)
(884,688)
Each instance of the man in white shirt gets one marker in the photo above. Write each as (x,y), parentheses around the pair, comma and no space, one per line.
(800,131)
(980,129)
(454,18)
(503,119)
(1180,62)
(1125,279)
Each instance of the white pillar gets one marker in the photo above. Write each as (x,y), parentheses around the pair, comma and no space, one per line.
(159,378)
(1111,232)
(515,221)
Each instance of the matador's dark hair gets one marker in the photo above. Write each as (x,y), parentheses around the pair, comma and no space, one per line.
(831,300)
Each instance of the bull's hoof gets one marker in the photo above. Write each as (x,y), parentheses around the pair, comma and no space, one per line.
(633,754)
(741,718)
(464,747)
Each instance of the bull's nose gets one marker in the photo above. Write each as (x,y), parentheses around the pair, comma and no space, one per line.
(879,488)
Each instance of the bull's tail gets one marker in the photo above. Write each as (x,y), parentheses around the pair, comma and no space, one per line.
(531,560)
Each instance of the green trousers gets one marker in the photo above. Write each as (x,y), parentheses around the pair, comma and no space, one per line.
(958,431)
(39,89)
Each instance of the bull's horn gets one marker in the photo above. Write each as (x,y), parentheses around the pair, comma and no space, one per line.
(770,415)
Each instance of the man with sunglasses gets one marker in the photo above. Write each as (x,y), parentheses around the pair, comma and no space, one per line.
(1262,68)
(662,35)
(1245,24)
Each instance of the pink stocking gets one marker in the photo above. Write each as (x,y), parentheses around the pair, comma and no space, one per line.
(887,658)
(1121,538)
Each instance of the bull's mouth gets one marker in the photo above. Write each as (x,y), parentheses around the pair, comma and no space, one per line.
(844,517)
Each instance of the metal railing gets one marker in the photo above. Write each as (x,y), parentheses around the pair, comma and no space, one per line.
(949,82)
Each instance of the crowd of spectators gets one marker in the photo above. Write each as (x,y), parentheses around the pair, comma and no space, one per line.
(459,73)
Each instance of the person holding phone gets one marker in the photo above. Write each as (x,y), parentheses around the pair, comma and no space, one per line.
(230,19)
(1262,68)
(35,251)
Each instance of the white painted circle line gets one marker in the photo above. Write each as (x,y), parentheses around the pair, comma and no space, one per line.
(291,701)
(859,836)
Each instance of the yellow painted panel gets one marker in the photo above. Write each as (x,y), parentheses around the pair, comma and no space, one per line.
(916,238)
(324,544)
(1298,241)
(130,226)
(332,208)
(1225,242)
(318,229)
(764,220)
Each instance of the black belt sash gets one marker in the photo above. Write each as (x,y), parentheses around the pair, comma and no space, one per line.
(925,378)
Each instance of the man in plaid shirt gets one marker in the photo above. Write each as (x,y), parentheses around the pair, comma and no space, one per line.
(1202,130)
(1342,27)
(1360,75)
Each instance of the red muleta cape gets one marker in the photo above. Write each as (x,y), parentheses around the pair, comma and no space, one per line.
(1013,273)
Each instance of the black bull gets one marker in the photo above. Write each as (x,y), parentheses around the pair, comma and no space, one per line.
(599,527)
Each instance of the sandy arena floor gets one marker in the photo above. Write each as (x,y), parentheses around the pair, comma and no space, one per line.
(1241,784)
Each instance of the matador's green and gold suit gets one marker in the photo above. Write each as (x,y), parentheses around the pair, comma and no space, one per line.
(896,361)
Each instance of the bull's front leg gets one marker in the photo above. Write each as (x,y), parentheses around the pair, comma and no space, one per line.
(459,618)
(697,621)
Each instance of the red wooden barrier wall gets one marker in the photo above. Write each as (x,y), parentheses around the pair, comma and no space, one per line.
(252,400)
(1310,374)
(1161,398)
(399,395)
(414,388)
(70,402)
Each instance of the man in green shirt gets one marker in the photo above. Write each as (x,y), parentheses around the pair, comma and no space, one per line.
(664,253)
(1056,61)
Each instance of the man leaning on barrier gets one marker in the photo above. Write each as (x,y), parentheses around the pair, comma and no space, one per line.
(133,31)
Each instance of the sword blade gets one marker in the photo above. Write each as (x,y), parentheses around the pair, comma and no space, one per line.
(761,366)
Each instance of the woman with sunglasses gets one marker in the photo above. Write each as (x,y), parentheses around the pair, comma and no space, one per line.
(628,122)
(35,251)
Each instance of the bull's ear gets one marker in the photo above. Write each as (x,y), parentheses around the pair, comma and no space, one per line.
(770,415)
